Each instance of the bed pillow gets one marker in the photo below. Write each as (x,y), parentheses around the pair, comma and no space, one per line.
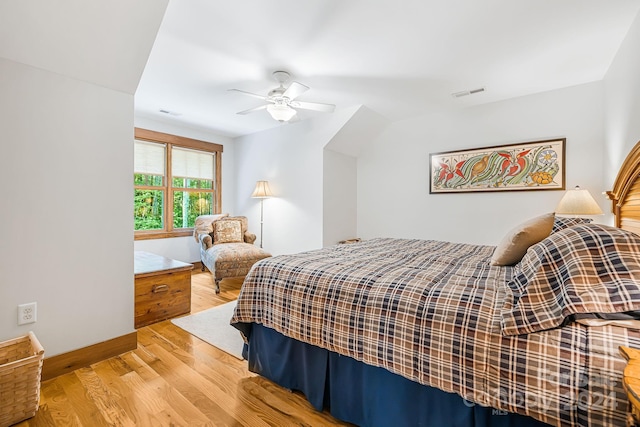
(561,222)
(587,268)
(514,245)
(227,230)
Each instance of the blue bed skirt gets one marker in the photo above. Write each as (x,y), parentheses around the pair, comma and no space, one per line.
(361,394)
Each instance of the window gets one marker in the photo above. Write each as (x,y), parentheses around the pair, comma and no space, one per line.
(175,180)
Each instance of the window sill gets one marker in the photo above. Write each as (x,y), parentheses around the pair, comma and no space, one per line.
(148,235)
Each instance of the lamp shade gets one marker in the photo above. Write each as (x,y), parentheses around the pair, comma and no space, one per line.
(262,190)
(281,112)
(578,202)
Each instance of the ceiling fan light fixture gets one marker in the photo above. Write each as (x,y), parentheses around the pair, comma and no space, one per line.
(281,102)
(281,112)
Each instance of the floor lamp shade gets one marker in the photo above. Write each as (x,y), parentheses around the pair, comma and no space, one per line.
(262,191)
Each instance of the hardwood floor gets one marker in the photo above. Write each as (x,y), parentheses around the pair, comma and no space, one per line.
(174,379)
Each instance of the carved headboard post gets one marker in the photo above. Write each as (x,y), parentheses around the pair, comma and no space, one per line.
(625,196)
(615,207)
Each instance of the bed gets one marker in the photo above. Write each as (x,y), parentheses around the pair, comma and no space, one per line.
(428,333)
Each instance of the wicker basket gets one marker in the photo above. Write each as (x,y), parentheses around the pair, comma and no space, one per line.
(20,370)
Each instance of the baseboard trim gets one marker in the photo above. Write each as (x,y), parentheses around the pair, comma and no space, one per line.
(66,362)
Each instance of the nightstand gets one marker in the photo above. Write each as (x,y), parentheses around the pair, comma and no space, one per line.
(631,383)
(353,240)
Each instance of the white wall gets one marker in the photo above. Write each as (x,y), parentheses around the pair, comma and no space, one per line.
(66,113)
(340,197)
(67,240)
(340,189)
(186,249)
(290,157)
(393,175)
(622,104)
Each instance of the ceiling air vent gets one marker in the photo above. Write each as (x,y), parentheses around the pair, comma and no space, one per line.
(467,92)
(169,112)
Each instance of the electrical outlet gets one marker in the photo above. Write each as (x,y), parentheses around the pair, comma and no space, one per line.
(27,313)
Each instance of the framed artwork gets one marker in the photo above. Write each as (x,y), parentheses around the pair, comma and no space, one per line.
(535,165)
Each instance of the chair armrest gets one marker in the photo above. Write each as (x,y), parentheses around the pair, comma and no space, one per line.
(206,241)
(249,237)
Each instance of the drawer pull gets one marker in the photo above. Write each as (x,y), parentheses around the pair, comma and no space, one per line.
(159,288)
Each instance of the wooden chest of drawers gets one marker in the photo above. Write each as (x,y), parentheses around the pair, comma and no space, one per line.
(162,288)
(631,383)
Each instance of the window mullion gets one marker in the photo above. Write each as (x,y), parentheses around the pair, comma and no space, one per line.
(148,187)
(169,187)
(217,187)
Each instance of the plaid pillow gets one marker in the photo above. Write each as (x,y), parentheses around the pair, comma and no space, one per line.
(588,268)
(561,222)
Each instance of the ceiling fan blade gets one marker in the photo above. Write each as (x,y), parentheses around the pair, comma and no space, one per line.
(294,90)
(255,95)
(251,110)
(315,106)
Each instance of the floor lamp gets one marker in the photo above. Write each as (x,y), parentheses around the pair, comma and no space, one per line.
(262,191)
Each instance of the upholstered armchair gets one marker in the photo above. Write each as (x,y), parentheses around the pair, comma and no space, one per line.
(226,246)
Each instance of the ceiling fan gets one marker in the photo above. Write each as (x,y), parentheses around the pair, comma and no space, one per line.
(281,103)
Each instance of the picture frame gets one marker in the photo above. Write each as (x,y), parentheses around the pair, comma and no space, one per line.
(527,166)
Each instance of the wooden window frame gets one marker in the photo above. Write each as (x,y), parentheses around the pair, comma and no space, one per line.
(179,141)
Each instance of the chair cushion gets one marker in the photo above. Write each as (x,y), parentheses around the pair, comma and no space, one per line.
(233,259)
(244,226)
(227,231)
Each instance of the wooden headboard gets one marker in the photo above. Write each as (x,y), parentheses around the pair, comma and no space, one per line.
(625,195)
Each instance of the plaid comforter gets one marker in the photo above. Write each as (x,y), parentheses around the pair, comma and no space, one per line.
(430,311)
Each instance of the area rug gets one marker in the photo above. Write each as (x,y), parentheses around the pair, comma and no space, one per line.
(212,325)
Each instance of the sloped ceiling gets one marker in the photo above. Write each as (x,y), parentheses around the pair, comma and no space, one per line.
(102,42)
(398,59)
(357,133)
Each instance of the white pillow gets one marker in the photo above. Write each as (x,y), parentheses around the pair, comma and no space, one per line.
(514,245)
